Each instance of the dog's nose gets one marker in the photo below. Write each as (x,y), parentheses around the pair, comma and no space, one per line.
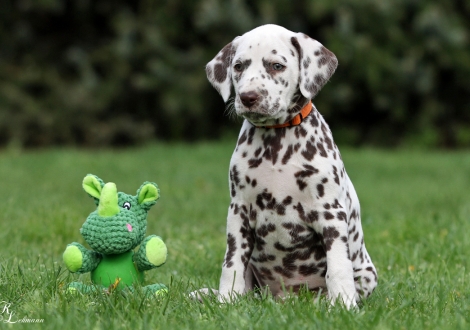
(249,98)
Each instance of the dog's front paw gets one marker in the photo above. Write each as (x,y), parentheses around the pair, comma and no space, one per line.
(339,294)
(203,294)
(341,289)
(346,301)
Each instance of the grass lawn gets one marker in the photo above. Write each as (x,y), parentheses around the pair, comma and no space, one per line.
(415,211)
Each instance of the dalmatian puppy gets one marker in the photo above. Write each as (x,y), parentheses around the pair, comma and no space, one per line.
(294,217)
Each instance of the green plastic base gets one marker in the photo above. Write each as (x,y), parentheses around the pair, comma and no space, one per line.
(117,266)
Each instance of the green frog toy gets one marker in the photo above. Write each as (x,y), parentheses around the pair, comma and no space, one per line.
(113,231)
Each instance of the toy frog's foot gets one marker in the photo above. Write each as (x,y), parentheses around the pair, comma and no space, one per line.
(157,290)
(76,287)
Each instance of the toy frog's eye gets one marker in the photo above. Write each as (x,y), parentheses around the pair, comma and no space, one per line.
(127,205)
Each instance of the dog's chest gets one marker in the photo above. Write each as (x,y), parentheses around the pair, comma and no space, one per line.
(277,167)
(275,181)
(263,170)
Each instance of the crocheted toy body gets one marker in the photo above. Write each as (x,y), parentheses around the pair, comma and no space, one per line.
(113,231)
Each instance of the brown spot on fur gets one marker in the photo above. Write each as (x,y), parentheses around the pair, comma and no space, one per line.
(231,248)
(329,236)
(329,143)
(320,190)
(308,269)
(336,204)
(309,151)
(263,257)
(314,121)
(322,150)
(272,145)
(286,272)
(263,273)
(335,174)
(288,154)
(234,175)
(220,68)
(264,230)
(251,133)
(242,138)
(301,175)
(342,216)
(300,132)
(287,201)
(297,47)
(301,184)
(248,236)
(328,215)
(233,191)
(311,217)
(356,237)
(254,162)
(253,214)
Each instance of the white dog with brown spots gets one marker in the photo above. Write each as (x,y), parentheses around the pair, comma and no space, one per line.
(294,217)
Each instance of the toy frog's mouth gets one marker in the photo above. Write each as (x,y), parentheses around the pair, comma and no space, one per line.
(129,227)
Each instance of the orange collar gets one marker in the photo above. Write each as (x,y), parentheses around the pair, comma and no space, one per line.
(296,120)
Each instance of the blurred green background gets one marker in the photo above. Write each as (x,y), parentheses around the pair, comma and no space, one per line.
(123,72)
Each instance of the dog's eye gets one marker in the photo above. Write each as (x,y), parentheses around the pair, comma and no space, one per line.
(238,67)
(278,66)
(127,205)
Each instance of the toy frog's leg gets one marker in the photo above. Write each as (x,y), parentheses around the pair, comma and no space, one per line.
(152,253)
(75,287)
(78,259)
(155,289)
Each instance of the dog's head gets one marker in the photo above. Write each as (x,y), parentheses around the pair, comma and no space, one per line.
(273,71)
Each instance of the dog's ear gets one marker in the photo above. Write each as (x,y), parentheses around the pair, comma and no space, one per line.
(317,64)
(218,71)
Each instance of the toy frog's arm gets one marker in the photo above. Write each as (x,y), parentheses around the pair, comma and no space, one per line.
(80,260)
(152,253)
